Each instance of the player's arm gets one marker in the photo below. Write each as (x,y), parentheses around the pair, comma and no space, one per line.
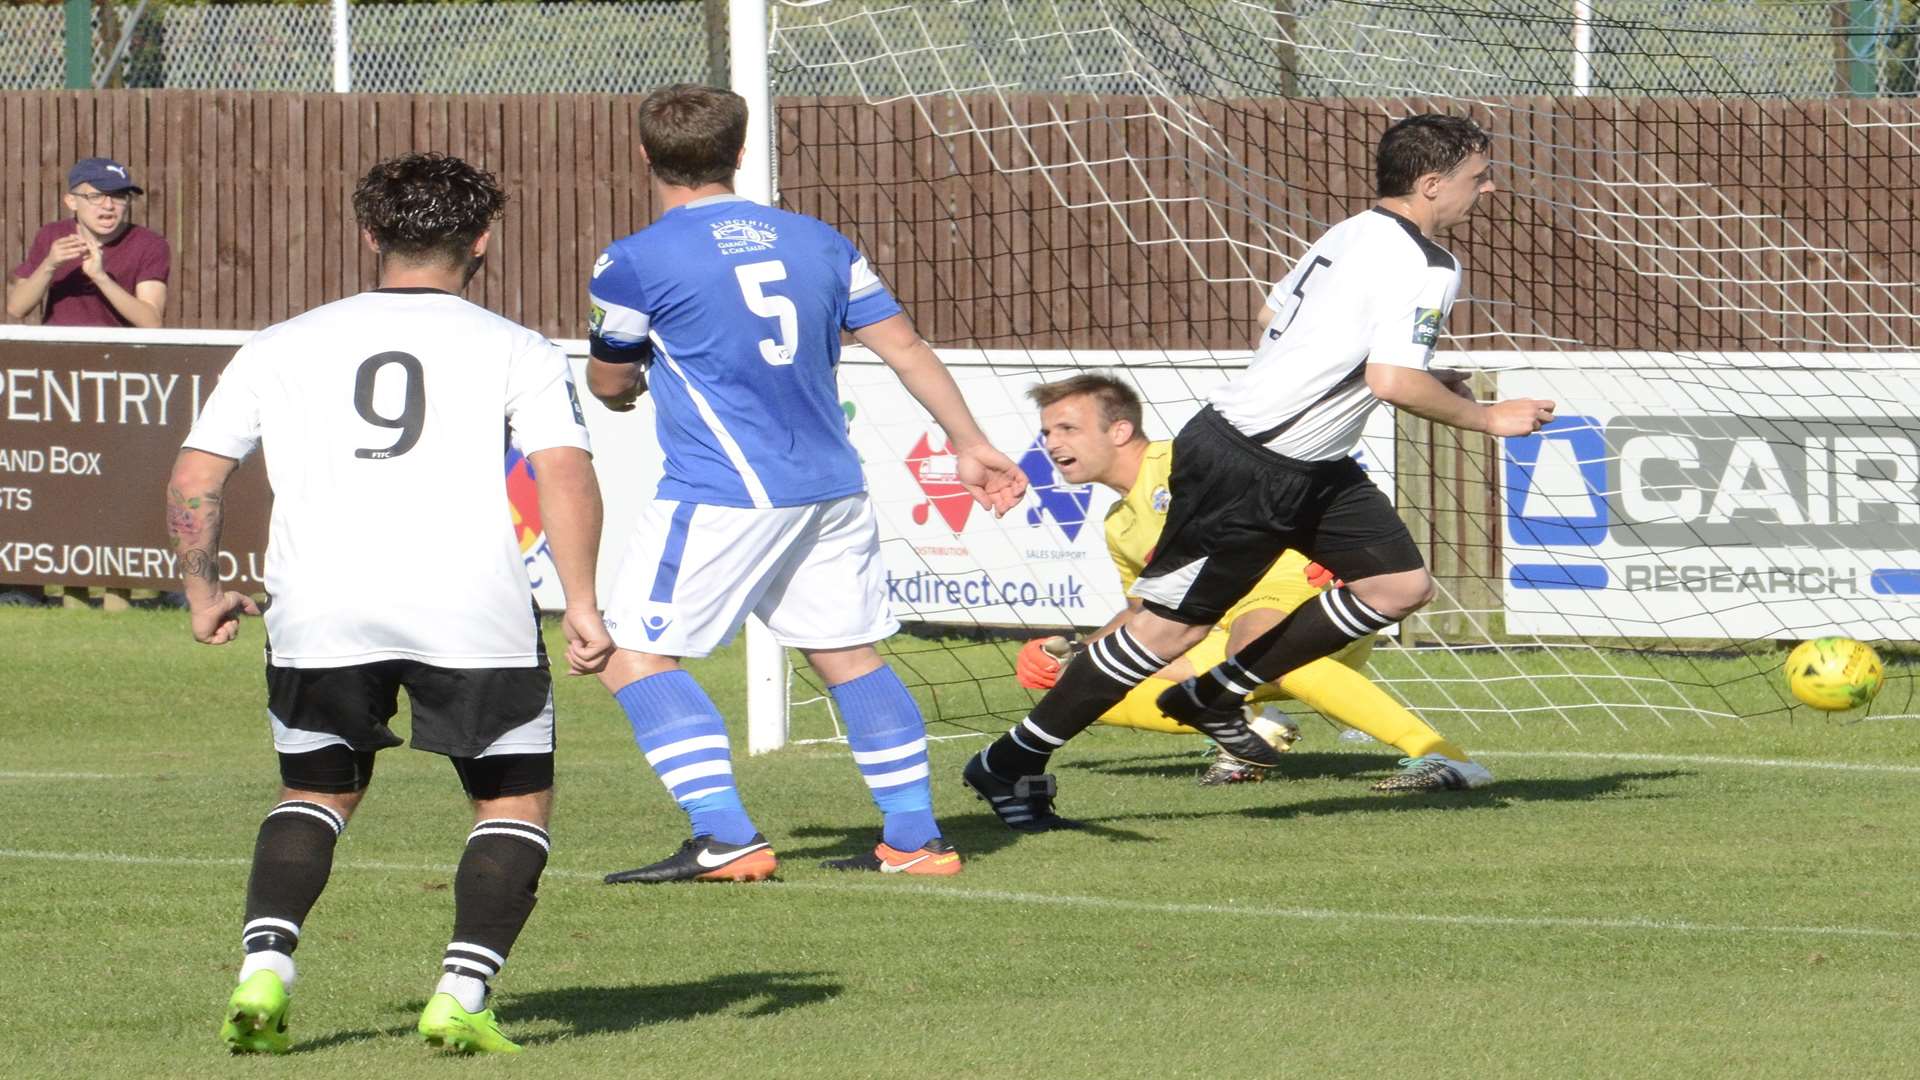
(1406,325)
(1424,395)
(988,475)
(195,504)
(618,384)
(1271,307)
(545,421)
(617,333)
(570,512)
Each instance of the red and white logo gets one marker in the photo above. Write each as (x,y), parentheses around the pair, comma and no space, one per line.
(937,474)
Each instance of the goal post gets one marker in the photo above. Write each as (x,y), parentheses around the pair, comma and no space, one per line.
(1699,248)
(766,660)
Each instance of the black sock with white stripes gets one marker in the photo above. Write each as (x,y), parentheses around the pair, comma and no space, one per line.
(493,893)
(1092,683)
(292,857)
(1315,629)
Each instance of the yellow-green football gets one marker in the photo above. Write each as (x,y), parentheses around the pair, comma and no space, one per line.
(1834,673)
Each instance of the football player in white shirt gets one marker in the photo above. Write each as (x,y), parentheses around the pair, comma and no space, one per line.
(1267,467)
(393,407)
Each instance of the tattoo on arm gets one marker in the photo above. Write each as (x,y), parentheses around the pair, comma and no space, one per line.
(194,523)
(199,564)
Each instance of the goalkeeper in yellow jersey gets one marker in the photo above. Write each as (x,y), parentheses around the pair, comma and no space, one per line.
(1091,428)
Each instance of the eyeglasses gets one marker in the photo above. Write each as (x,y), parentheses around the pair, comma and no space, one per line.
(102,198)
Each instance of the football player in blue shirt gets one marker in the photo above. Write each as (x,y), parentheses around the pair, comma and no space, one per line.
(731,313)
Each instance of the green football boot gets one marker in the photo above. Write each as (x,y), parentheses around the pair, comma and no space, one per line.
(444,1023)
(257,1016)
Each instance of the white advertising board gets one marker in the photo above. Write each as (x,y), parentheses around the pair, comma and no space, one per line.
(1748,496)
(1044,564)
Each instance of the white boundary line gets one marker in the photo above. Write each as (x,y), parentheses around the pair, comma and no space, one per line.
(1705,759)
(1527,922)
(1808,764)
(1101,903)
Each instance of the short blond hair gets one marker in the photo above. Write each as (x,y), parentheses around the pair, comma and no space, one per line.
(1117,401)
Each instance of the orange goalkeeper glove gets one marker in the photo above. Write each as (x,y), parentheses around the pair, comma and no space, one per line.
(1038,666)
(1320,577)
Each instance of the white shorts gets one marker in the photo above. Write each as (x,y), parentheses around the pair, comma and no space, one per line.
(693,572)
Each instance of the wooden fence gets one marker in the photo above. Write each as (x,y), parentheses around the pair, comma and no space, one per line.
(1048,222)
(254,190)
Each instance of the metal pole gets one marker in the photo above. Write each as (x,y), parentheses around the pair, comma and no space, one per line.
(1863,39)
(1582,47)
(79,44)
(342,49)
(747,34)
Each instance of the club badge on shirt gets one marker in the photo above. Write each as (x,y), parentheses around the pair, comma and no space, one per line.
(1426,326)
(574,396)
(738,236)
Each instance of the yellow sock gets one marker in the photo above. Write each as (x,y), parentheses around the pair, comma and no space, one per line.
(1137,710)
(1340,693)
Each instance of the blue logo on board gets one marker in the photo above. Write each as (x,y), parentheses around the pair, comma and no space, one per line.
(1556,484)
(1065,503)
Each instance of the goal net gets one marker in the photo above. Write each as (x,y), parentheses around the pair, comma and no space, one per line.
(1702,248)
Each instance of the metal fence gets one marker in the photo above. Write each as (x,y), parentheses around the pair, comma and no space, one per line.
(1344,48)
(882,50)
(396,48)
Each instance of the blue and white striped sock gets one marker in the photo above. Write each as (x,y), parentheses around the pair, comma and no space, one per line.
(889,742)
(680,731)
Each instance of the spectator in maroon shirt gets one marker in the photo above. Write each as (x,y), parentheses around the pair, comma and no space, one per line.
(96,268)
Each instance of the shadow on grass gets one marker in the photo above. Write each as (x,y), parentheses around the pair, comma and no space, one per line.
(1293,766)
(1496,796)
(972,834)
(982,833)
(597,1010)
(592,1010)
(343,1038)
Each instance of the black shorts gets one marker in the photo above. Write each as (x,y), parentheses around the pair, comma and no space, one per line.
(339,770)
(1236,506)
(459,712)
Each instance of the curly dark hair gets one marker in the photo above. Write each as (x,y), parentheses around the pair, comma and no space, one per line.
(427,207)
(1422,144)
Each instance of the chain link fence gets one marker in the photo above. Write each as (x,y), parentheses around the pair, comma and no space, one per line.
(1336,48)
(1307,48)
(396,48)
(30,48)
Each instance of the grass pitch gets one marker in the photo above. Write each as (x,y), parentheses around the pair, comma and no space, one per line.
(1649,901)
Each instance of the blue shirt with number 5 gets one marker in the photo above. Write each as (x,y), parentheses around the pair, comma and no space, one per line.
(738,308)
